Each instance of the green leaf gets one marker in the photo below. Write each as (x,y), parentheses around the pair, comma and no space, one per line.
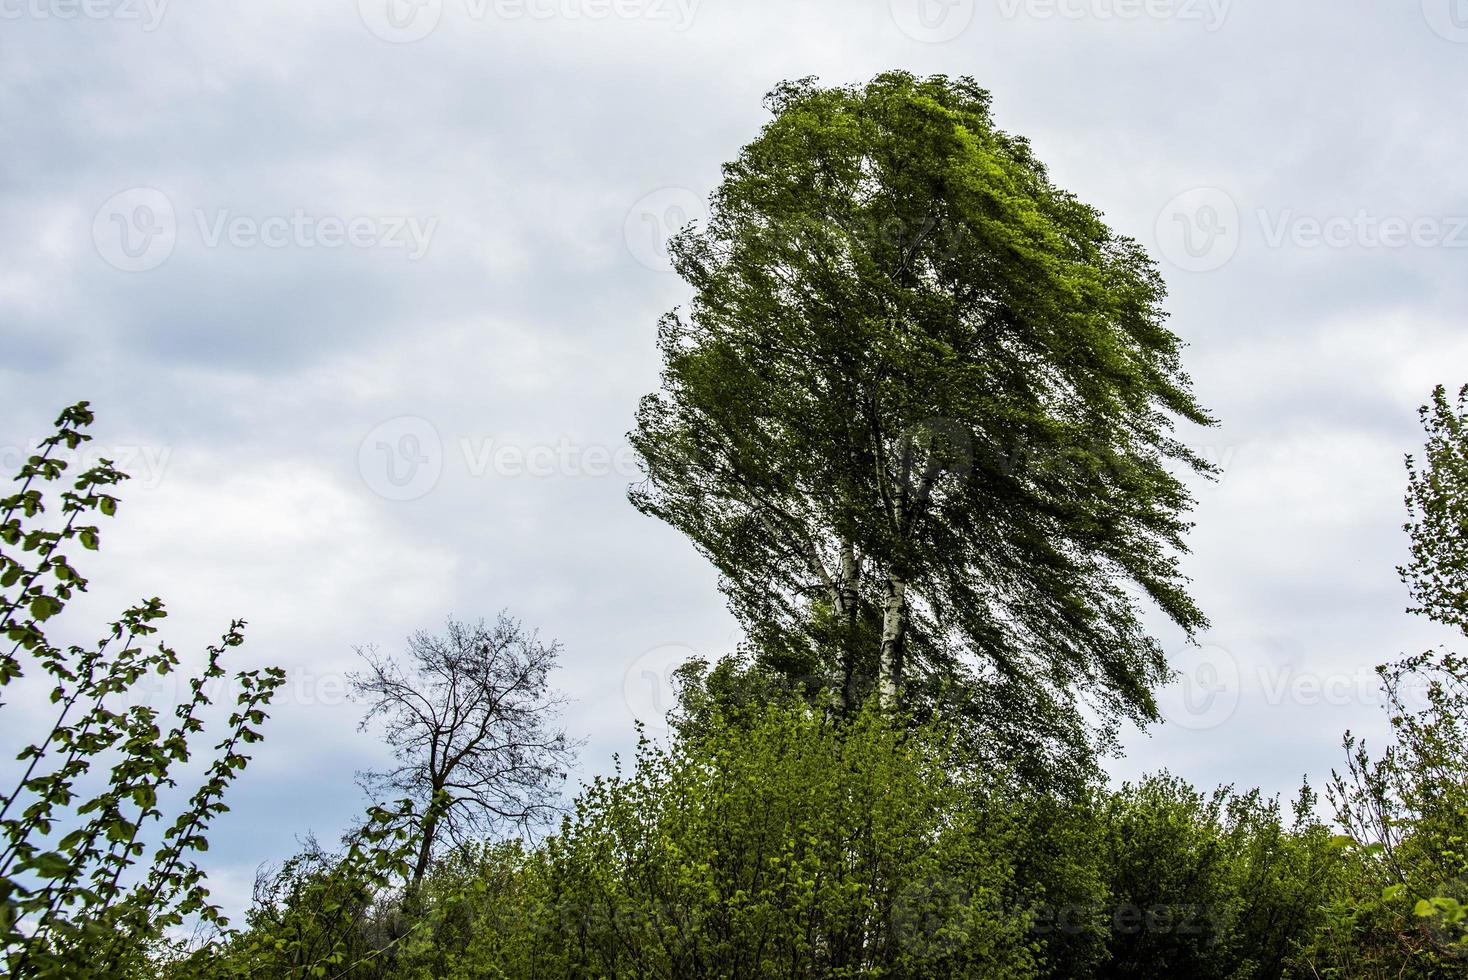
(50,864)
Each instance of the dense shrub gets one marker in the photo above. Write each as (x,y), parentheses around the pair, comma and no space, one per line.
(790,845)
(1213,885)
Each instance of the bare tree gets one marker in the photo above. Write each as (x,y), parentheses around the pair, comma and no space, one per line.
(472,721)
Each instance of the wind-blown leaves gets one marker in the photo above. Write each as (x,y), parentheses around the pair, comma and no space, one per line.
(920,412)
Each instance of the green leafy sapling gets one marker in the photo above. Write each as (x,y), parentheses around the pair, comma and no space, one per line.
(93,868)
(1405,810)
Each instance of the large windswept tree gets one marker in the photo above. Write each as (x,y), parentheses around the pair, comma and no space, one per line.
(920,413)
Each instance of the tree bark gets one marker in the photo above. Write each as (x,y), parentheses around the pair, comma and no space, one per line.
(425,850)
(894,629)
(847,614)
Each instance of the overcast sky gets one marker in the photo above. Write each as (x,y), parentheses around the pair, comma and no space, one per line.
(365,294)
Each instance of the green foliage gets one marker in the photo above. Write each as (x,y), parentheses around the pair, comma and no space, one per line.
(1404,812)
(1211,886)
(323,914)
(920,415)
(77,829)
(778,843)
(791,847)
(1060,867)
(1405,815)
(1437,502)
(455,937)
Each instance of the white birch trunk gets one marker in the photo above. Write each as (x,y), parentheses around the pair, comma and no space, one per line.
(894,625)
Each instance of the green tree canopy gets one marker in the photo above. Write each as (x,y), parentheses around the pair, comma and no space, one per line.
(920,413)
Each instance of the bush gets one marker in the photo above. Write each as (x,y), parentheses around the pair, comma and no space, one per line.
(789,847)
(1210,886)
(1405,813)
